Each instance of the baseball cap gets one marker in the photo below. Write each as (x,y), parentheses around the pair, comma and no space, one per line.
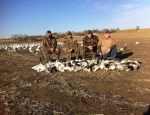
(48,31)
(69,33)
(89,32)
(106,31)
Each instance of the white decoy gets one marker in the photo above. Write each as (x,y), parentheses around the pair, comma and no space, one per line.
(121,49)
(136,43)
(125,47)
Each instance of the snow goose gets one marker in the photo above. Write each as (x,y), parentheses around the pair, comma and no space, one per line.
(136,43)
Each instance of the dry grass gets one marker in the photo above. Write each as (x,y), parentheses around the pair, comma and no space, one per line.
(107,92)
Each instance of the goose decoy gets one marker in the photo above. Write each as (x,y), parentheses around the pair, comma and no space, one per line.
(136,43)
(125,47)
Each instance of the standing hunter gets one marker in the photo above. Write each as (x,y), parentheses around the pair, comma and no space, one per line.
(71,46)
(90,42)
(49,47)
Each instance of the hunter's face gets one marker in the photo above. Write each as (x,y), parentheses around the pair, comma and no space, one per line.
(69,35)
(48,34)
(106,35)
(89,35)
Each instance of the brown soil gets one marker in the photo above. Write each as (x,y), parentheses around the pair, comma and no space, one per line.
(101,92)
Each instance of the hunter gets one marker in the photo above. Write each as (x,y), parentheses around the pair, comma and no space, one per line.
(90,42)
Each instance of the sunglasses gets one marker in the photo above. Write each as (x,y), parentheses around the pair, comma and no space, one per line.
(69,34)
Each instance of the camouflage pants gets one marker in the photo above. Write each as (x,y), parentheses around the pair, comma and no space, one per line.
(69,54)
(47,56)
(93,52)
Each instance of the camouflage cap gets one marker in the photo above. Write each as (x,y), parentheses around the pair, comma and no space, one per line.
(69,32)
(89,32)
(48,31)
(106,31)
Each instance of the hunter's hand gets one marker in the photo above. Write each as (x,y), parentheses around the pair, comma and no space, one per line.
(51,49)
(100,53)
(70,50)
(90,47)
(108,50)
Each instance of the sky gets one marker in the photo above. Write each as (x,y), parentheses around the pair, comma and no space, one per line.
(35,17)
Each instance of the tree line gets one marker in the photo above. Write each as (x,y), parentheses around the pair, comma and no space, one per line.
(57,35)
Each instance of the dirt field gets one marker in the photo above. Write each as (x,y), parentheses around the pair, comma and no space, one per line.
(101,92)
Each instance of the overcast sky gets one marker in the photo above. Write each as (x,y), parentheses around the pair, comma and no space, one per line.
(35,17)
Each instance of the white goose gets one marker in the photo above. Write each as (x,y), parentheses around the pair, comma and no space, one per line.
(136,43)
(89,65)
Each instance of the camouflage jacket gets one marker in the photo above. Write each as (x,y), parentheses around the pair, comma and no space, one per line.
(93,41)
(49,43)
(70,43)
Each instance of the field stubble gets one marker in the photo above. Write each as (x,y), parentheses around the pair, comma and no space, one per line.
(105,92)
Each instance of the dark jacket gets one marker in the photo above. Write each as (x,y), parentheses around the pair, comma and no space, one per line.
(49,42)
(93,41)
(70,43)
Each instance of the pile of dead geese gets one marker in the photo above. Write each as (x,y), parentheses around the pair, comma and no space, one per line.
(87,65)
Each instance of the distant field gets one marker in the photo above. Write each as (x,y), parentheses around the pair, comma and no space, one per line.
(143,33)
(130,33)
